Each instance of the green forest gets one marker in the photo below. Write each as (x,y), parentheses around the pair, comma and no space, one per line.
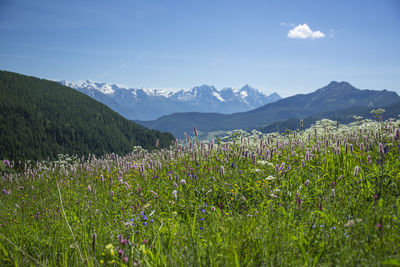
(40,119)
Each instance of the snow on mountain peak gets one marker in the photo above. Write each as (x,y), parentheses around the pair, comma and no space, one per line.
(218,96)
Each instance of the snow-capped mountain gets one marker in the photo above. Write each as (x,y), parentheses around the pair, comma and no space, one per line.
(149,104)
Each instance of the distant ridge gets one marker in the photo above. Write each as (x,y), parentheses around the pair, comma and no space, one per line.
(343,116)
(334,96)
(150,104)
(40,119)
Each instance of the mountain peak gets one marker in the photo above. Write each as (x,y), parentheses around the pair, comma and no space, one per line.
(337,87)
(341,84)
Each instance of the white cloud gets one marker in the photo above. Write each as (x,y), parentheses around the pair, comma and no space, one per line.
(283,23)
(303,31)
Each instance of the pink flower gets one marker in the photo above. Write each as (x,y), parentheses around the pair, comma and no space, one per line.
(120,252)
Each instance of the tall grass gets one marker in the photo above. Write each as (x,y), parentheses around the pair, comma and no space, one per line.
(329,195)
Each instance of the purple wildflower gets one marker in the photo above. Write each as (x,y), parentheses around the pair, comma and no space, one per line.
(381,149)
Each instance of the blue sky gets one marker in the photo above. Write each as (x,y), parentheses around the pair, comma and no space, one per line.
(181,44)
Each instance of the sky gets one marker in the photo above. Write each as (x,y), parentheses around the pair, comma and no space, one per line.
(288,47)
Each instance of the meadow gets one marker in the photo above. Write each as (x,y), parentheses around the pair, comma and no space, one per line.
(327,195)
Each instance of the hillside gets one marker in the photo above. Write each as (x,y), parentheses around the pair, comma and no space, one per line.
(334,96)
(343,116)
(41,118)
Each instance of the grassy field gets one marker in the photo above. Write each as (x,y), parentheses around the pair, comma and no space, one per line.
(329,195)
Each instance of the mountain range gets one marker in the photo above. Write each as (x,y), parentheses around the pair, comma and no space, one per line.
(40,119)
(150,104)
(333,97)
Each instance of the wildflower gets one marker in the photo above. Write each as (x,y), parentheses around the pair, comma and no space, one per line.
(298,200)
(381,149)
(369,159)
(212,208)
(94,238)
(333,192)
(145,223)
(356,169)
(175,194)
(7,162)
(307,182)
(4,191)
(379,225)
(89,188)
(195,130)
(397,135)
(125,259)
(183,182)
(120,252)
(203,211)
(201,228)
(282,166)
(101,261)
(376,197)
(222,171)
(154,193)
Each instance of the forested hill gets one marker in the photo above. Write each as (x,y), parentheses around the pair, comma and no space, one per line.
(40,119)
